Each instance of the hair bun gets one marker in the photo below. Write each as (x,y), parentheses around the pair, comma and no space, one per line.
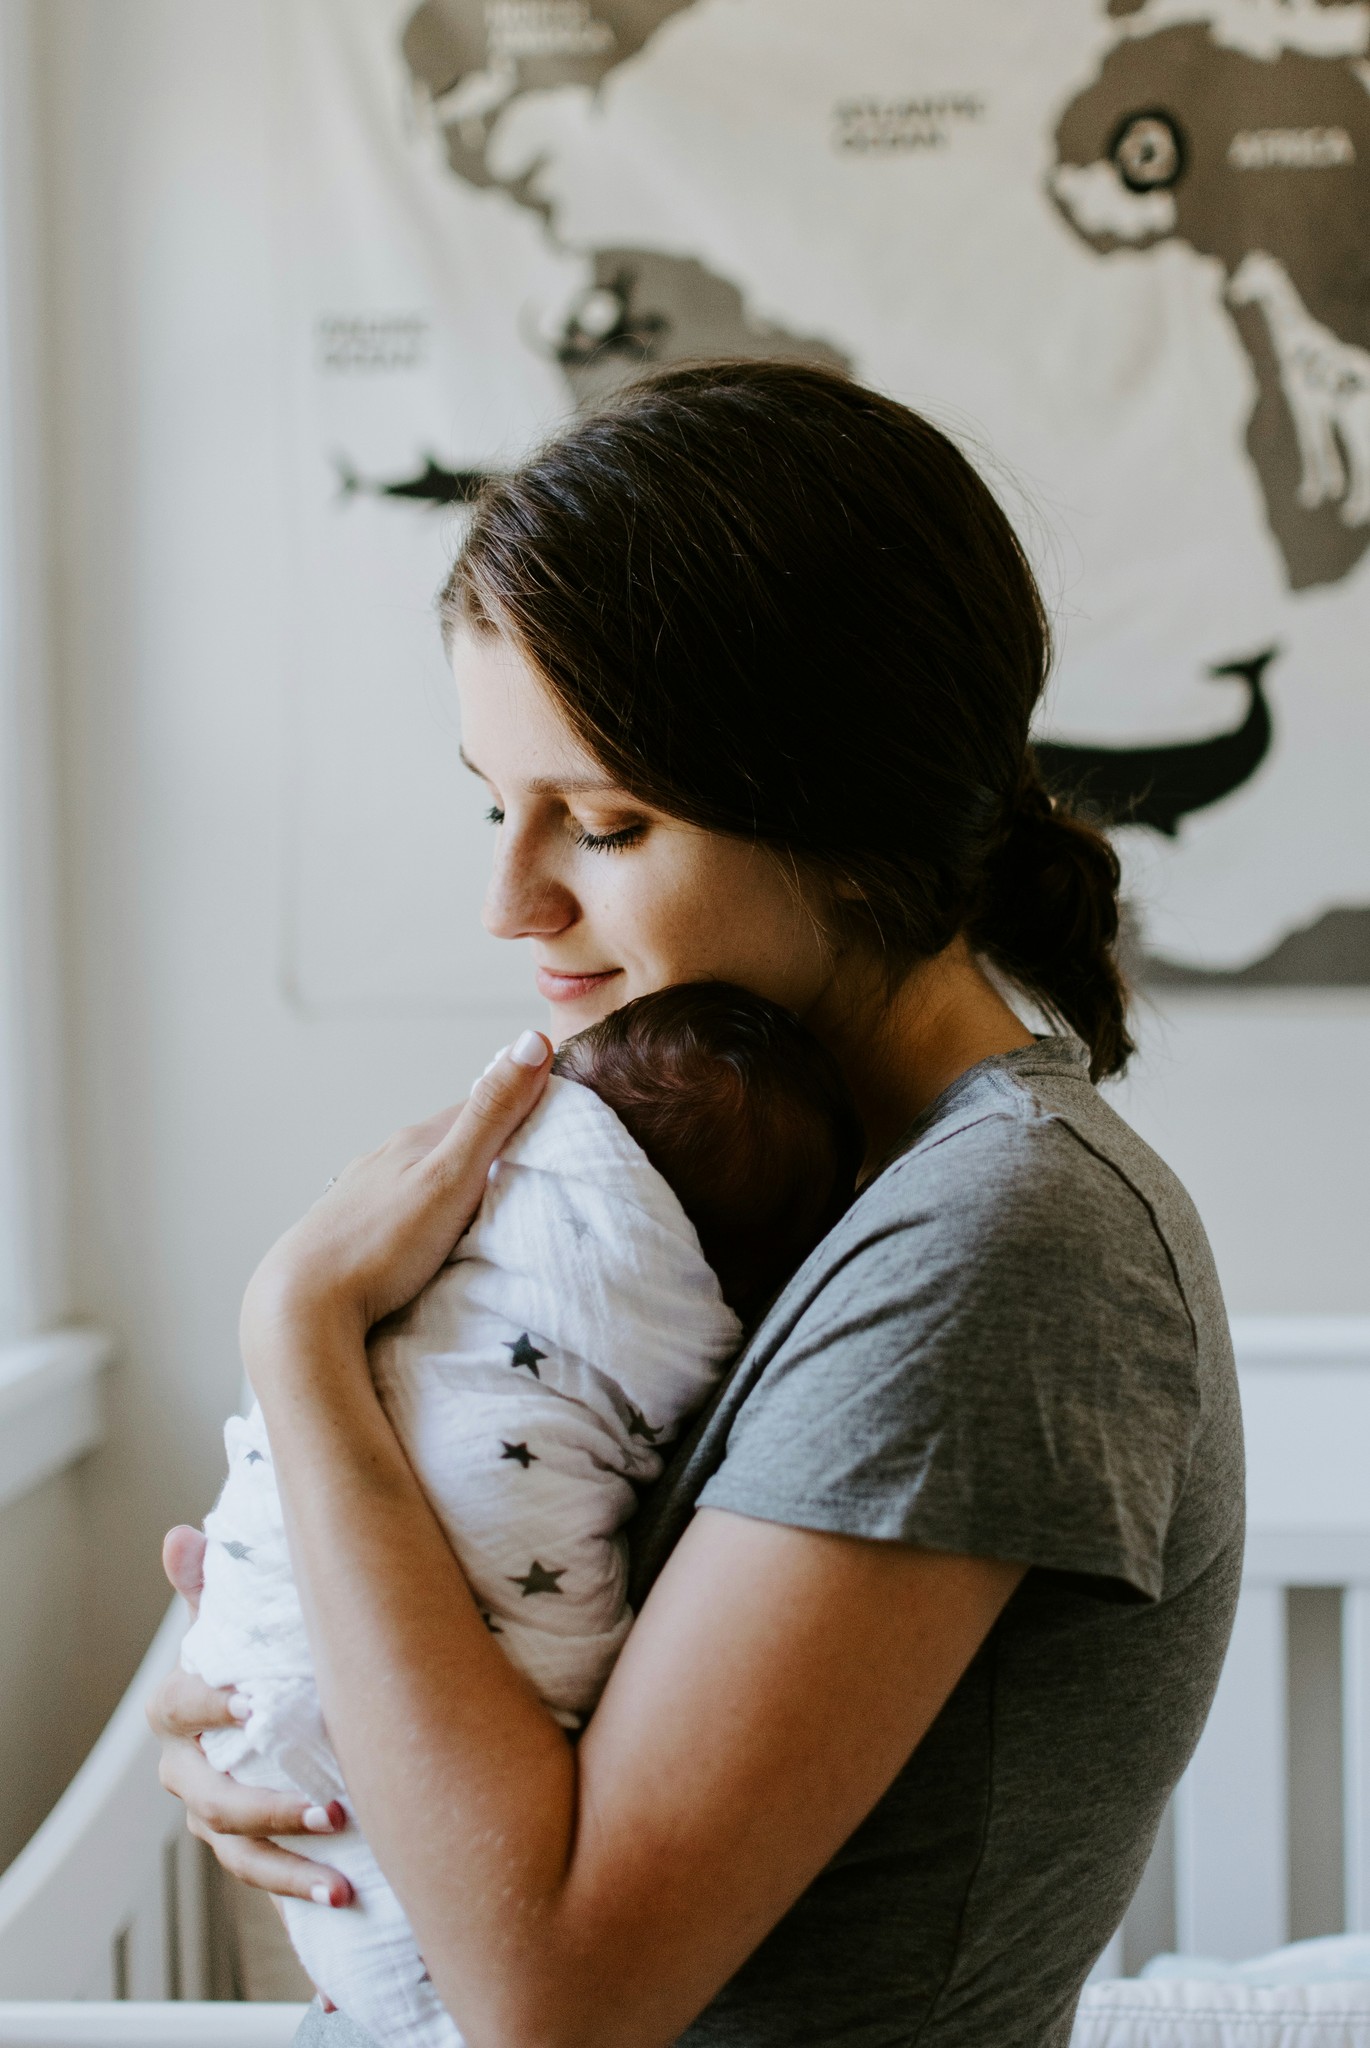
(1049,920)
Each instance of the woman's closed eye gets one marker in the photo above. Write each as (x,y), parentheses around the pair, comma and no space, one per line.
(608,842)
(584,837)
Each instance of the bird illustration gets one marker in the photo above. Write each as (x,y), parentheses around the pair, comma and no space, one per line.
(1157,786)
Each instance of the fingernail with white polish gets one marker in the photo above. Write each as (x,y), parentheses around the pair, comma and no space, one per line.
(317,1819)
(530,1050)
(240,1706)
(321,1895)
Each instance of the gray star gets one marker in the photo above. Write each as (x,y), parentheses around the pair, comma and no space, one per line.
(638,1425)
(241,1551)
(519,1451)
(577,1225)
(255,1458)
(525,1352)
(538,1579)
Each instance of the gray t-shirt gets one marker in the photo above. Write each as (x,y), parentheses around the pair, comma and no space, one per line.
(1013,1345)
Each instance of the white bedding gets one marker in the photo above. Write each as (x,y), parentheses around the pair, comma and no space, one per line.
(1163,2013)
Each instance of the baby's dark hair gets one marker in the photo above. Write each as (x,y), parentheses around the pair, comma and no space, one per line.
(742,1111)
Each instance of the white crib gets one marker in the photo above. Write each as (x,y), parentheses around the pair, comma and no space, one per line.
(105,1939)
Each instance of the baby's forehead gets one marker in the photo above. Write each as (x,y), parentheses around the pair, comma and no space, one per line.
(693,1052)
(702,1081)
(730,1069)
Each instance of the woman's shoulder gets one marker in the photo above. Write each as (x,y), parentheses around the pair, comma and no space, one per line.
(1023,1160)
(1010,1345)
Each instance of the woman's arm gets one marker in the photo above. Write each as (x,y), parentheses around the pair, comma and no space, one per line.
(774,1684)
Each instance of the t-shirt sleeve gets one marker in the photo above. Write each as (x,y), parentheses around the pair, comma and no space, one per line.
(999,1362)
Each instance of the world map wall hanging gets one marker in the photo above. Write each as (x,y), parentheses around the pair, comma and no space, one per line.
(1119,248)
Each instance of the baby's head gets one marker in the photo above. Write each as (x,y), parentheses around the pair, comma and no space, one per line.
(742,1111)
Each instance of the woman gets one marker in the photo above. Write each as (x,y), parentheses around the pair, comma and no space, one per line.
(934,1597)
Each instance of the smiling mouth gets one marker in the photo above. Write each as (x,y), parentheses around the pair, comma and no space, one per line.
(557,986)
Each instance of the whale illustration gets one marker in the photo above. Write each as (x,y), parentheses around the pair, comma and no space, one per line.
(1157,786)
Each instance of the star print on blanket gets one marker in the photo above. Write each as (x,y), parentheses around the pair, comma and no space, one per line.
(523,1351)
(538,1579)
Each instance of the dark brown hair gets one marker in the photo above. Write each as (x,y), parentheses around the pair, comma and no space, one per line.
(742,1111)
(776,604)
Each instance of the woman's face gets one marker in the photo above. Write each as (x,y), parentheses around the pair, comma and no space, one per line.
(616,898)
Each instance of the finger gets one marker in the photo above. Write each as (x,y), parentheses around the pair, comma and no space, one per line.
(424,1136)
(185,1705)
(183,1561)
(484,1124)
(225,1807)
(272,1869)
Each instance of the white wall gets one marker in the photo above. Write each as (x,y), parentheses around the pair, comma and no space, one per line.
(45,1718)
(1261,1103)
(207,1110)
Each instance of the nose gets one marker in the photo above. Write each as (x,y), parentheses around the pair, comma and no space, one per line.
(524,898)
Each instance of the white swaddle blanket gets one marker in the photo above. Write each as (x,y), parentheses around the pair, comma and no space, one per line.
(574,1328)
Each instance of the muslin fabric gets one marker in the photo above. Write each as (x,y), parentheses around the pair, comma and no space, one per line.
(532,1383)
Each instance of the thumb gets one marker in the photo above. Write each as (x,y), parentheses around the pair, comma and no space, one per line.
(500,1100)
(183,1561)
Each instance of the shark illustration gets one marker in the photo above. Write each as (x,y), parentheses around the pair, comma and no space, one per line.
(433,485)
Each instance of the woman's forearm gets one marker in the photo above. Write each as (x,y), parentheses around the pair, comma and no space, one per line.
(461,1780)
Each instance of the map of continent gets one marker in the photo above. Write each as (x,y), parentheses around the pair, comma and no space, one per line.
(474,56)
(1120,248)
(1263,162)
(472,59)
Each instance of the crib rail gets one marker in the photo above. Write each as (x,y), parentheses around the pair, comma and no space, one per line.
(1306,1407)
(145,2024)
(107,1900)
(1110,2016)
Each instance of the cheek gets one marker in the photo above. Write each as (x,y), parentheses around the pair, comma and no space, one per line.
(736,919)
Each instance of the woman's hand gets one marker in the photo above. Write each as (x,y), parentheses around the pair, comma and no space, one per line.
(366,1248)
(391,1218)
(363,1250)
(234,1820)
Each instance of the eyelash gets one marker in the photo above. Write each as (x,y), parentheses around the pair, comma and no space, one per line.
(590,842)
(609,842)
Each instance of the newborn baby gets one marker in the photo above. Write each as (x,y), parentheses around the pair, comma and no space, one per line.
(688,1153)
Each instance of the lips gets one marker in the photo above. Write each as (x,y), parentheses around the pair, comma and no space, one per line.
(556,986)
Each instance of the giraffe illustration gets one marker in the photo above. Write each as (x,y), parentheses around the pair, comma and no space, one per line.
(1326,384)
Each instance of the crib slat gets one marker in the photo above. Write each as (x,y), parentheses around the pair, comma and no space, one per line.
(93,1872)
(148,1961)
(1231,1807)
(1355,1724)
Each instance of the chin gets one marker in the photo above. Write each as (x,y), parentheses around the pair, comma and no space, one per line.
(564,1020)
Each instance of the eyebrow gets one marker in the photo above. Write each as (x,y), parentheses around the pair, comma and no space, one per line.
(551,785)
